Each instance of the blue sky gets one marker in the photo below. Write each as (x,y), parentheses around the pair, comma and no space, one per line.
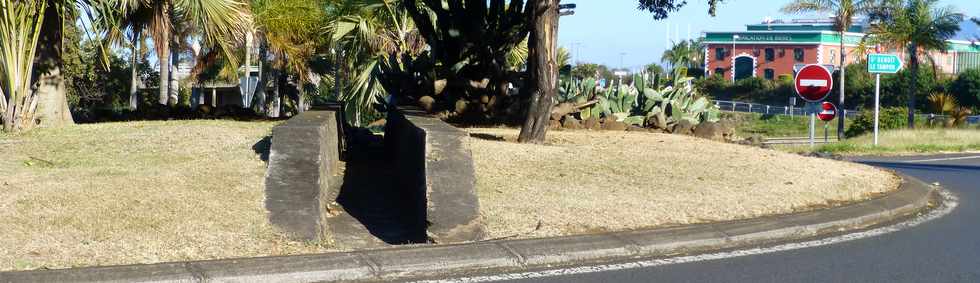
(614,31)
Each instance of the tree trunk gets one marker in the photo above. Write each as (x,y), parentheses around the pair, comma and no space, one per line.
(134,79)
(276,107)
(173,88)
(52,106)
(840,101)
(52,95)
(914,68)
(544,75)
(163,54)
(248,91)
(260,86)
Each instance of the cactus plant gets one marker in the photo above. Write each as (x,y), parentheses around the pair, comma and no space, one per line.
(643,102)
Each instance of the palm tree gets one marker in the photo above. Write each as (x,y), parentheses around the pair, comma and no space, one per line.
(220,22)
(844,12)
(380,42)
(917,26)
(687,53)
(20,28)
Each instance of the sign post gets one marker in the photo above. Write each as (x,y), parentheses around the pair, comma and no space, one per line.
(813,83)
(827,113)
(881,64)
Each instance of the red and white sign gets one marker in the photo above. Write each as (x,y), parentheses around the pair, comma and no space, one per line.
(814,83)
(827,111)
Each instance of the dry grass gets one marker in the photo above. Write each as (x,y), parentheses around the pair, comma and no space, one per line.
(141,192)
(903,142)
(587,181)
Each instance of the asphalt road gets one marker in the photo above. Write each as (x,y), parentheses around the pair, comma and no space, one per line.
(942,250)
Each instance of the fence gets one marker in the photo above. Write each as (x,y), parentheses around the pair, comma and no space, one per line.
(749,107)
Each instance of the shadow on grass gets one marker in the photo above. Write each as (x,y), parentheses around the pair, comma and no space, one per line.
(488,137)
(262,148)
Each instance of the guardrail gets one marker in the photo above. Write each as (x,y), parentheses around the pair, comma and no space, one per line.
(749,107)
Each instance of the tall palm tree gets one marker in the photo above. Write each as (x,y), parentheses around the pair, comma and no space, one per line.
(844,12)
(687,53)
(289,34)
(917,26)
(220,22)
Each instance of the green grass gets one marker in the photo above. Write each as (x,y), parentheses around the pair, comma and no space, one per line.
(900,142)
(750,124)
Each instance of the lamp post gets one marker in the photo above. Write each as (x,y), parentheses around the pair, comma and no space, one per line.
(734,38)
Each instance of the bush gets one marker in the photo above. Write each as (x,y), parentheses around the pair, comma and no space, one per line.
(966,88)
(714,86)
(752,84)
(889,118)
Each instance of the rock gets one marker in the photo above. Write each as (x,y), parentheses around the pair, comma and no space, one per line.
(710,130)
(754,140)
(427,102)
(592,123)
(683,127)
(571,123)
(554,125)
(461,106)
(655,123)
(614,126)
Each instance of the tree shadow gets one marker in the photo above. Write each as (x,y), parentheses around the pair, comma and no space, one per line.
(488,137)
(262,148)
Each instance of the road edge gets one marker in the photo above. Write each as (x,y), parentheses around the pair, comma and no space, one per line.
(432,261)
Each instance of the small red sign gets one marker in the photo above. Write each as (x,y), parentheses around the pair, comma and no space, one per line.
(827,111)
(814,83)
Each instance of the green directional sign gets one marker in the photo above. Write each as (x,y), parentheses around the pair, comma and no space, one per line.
(884,63)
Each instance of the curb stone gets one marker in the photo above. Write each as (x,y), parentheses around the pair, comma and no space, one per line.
(432,261)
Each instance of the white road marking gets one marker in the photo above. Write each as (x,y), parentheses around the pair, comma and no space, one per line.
(816,83)
(950,201)
(944,159)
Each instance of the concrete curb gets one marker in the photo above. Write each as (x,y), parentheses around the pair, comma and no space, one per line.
(431,261)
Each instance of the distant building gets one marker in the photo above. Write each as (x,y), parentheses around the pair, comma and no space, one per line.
(771,49)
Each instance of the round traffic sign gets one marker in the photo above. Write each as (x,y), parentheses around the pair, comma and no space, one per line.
(827,111)
(814,83)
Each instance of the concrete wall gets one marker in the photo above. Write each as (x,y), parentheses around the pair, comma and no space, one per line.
(435,164)
(304,178)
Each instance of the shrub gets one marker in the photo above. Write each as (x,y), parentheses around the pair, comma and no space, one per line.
(753,84)
(966,88)
(714,85)
(889,118)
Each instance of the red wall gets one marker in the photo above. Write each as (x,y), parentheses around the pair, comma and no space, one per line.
(781,64)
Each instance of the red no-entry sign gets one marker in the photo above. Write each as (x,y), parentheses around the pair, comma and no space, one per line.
(814,83)
(827,111)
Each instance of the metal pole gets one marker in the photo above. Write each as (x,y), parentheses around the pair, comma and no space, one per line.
(813,124)
(826,126)
(877,96)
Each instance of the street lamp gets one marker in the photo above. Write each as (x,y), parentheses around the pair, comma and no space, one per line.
(734,38)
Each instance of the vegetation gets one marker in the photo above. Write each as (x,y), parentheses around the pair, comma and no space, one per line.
(843,12)
(888,118)
(903,141)
(19,33)
(917,26)
(642,103)
(769,126)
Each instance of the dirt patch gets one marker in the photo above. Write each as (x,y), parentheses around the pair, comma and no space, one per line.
(584,181)
(139,192)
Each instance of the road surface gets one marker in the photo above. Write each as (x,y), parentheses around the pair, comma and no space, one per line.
(946,249)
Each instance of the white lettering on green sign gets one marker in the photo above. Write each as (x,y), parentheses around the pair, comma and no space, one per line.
(884,63)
